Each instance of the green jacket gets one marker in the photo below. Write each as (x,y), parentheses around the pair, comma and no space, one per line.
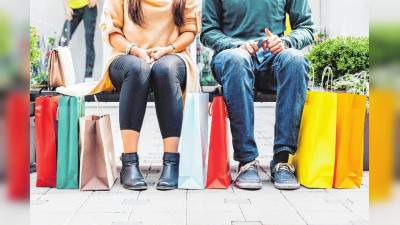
(228,23)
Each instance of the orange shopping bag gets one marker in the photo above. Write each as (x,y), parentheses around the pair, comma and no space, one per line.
(349,140)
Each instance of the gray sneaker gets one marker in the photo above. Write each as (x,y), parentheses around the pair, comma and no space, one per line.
(283,176)
(247,177)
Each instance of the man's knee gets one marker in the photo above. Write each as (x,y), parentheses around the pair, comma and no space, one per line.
(294,57)
(237,57)
(233,63)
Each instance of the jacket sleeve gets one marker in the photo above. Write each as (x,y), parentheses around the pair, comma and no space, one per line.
(301,22)
(112,19)
(211,35)
(192,18)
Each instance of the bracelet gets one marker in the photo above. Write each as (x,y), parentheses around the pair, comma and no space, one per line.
(128,49)
(173,47)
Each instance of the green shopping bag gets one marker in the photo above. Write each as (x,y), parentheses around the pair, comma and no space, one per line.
(69,111)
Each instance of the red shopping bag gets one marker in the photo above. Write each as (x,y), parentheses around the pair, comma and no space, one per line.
(45,138)
(218,173)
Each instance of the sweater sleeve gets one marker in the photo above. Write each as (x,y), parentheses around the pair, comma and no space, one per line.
(211,35)
(301,22)
(192,18)
(112,19)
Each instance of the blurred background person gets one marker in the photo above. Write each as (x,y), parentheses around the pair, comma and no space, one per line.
(75,12)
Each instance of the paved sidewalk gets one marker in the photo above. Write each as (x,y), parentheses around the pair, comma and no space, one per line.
(197,207)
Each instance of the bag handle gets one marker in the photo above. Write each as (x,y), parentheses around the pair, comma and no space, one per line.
(313,78)
(330,75)
(98,106)
(210,109)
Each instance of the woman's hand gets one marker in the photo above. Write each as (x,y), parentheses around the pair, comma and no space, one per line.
(141,53)
(158,52)
(68,13)
(92,3)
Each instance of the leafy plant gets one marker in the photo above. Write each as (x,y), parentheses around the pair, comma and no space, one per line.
(353,83)
(34,46)
(345,55)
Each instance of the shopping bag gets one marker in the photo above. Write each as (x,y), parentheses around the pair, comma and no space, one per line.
(98,170)
(69,112)
(46,140)
(315,156)
(349,140)
(218,170)
(194,142)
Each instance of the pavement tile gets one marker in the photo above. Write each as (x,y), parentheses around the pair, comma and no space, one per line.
(237,201)
(105,207)
(320,218)
(289,217)
(213,218)
(159,218)
(55,207)
(98,218)
(46,218)
(246,223)
(38,190)
(62,197)
(135,202)
(33,197)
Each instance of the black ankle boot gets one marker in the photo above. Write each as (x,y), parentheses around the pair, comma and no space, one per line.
(170,173)
(130,176)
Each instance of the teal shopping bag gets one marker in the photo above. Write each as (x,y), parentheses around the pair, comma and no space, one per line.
(194,142)
(69,111)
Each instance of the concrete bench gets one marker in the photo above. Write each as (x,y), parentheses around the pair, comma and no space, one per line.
(113,96)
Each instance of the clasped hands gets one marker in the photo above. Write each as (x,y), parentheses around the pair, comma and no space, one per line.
(151,55)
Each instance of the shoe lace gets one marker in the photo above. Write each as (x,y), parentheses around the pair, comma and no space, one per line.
(284,166)
(246,167)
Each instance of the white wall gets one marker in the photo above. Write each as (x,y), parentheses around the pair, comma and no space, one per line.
(342,17)
(339,17)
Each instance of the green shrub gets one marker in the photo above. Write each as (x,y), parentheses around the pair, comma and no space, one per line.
(345,55)
(34,46)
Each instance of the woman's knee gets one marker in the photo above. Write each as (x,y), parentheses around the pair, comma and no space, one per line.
(170,68)
(135,66)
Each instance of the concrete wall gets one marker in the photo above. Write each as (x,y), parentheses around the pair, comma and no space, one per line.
(49,16)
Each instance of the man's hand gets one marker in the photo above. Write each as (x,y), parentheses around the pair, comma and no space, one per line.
(274,44)
(92,3)
(158,52)
(250,46)
(68,13)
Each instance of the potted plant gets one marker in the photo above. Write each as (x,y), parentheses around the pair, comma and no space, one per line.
(39,61)
(345,55)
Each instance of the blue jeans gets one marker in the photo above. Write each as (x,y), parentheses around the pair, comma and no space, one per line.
(285,73)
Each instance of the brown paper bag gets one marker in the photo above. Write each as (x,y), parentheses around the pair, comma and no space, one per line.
(98,170)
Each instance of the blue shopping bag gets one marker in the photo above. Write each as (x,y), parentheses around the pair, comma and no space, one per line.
(194,142)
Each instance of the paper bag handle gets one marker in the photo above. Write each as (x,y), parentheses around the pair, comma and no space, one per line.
(98,106)
(362,74)
(313,78)
(210,111)
(330,75)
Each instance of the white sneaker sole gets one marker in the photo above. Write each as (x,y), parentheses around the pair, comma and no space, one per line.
(249,186)
(287,186)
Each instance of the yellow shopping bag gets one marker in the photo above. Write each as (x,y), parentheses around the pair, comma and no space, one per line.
(349,140)
(315,156)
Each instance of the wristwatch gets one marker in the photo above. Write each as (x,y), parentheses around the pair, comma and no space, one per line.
(173,47)
(128,48)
